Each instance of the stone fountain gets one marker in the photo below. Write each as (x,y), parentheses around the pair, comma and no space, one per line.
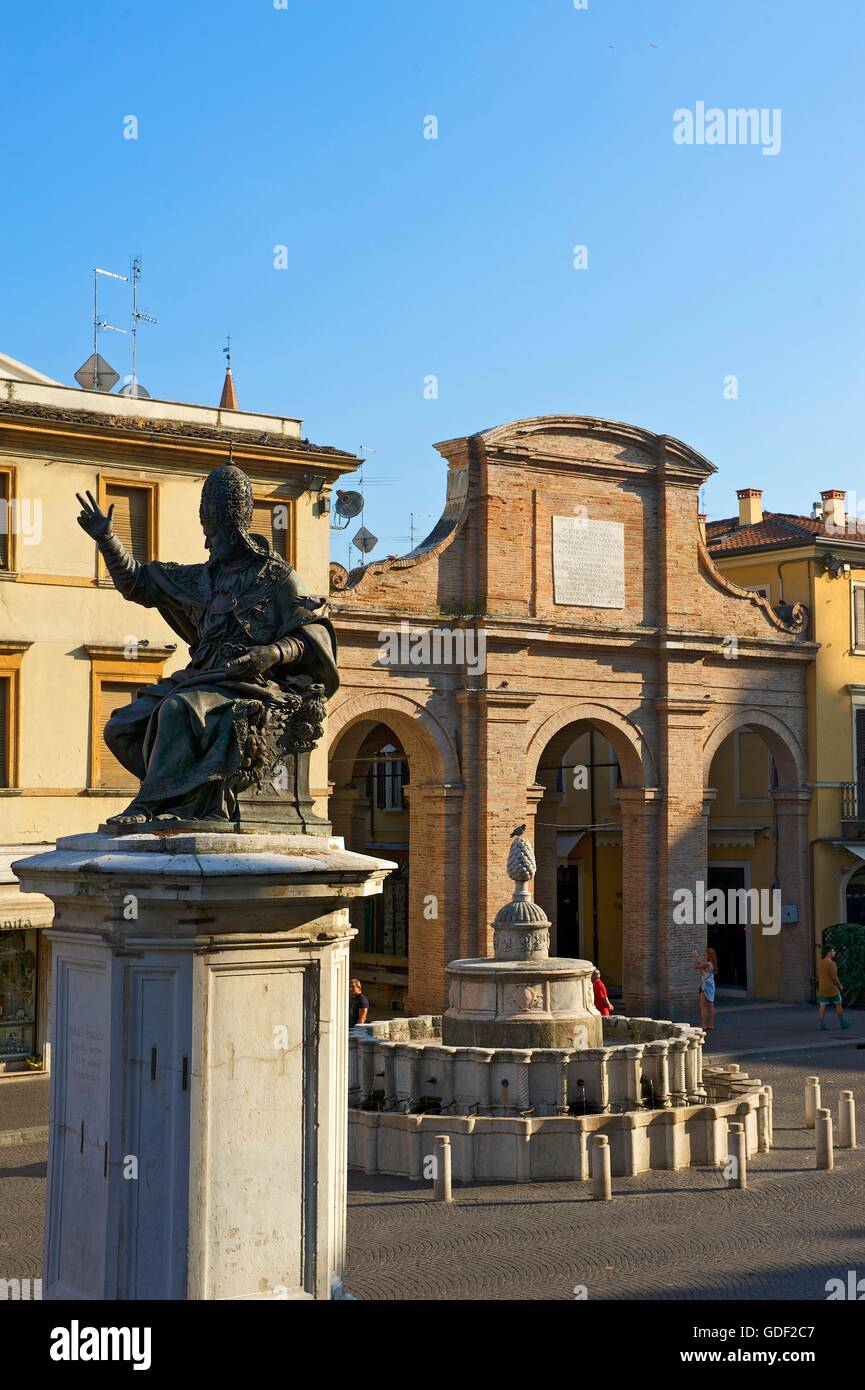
(522,1072)
(523,997)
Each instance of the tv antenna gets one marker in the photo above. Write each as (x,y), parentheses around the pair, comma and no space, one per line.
(364,541)
(412,527)
(138,316)
(96,374)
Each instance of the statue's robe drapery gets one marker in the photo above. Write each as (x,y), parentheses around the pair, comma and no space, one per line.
(182,736)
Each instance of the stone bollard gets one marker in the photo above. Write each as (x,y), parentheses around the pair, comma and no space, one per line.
(442,1180)
(764,1122)
(846,1121)
(812,1100)
(770,1114)
(601,1170)
(739,1154)
(823,1126)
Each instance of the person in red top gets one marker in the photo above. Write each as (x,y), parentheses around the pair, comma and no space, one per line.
(602,999)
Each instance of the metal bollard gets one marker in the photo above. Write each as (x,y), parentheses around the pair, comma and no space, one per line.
(739,1155)
(442,1180)
(602,1177)
(846,1121)
(812,1099)
(823,1126)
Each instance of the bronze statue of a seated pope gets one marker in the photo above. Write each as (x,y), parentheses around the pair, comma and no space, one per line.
(262,663)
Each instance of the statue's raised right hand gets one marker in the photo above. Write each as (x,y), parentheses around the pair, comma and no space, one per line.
(92,519)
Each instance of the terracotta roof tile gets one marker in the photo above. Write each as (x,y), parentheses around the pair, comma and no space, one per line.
(137,424)
(775,530)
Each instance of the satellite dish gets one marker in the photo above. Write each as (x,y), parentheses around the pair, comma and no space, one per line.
(97,374)
(364,540)
(348,504)
(134,388)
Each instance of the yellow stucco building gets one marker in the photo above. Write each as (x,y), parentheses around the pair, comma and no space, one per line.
(817,561)
(71,649)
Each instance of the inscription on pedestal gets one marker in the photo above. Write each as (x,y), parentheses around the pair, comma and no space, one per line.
(588,562)
(86,1054)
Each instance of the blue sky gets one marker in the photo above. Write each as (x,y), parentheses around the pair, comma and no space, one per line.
(303,126)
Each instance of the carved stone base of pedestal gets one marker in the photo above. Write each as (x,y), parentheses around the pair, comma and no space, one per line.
(312,831)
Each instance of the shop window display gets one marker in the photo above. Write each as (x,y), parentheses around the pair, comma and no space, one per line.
(18,976)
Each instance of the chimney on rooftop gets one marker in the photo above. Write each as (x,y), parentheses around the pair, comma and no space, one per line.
(834,509)
(750,506)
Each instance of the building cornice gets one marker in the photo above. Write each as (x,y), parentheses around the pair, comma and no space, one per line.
(524,443)
(138,443)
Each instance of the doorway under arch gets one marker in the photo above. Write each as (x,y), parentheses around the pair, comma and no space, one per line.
(580,835)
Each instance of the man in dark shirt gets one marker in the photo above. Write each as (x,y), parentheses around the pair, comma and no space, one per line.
(358,1004)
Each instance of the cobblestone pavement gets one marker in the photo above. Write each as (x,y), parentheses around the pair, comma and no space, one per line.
(22,1201)
(23,1102)
(665,1235)
(749,1027)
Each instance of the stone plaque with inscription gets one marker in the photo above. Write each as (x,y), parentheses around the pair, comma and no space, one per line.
(588,562)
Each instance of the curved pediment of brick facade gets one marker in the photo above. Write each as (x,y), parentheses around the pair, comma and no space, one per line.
(576,523)
(609,446)
(795,620)
(440,538)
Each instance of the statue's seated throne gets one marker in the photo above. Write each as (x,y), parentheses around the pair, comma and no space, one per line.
(272,785)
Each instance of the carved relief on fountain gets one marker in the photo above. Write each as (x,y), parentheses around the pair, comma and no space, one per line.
(526,998)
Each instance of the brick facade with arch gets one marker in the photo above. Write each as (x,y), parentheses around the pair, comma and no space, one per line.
(688,659)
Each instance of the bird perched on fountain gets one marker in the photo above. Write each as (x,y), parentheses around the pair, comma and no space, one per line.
(520,830)
(521,861)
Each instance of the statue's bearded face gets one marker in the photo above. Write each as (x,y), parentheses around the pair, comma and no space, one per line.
(224,542)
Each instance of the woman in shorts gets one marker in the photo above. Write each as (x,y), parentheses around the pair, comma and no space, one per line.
(708,967)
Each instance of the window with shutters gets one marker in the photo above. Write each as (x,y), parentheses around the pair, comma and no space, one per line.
(116,677)
(135,515)
(7,493)
(273,518)
(11,652)
(6,732)
(111,696)
(859,617)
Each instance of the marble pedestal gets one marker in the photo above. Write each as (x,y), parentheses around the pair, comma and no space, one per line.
(199,1087)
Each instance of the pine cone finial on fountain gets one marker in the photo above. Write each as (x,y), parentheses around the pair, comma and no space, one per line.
(521,930)
(521,861)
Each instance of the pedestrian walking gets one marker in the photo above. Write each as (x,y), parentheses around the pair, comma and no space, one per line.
(829,988)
